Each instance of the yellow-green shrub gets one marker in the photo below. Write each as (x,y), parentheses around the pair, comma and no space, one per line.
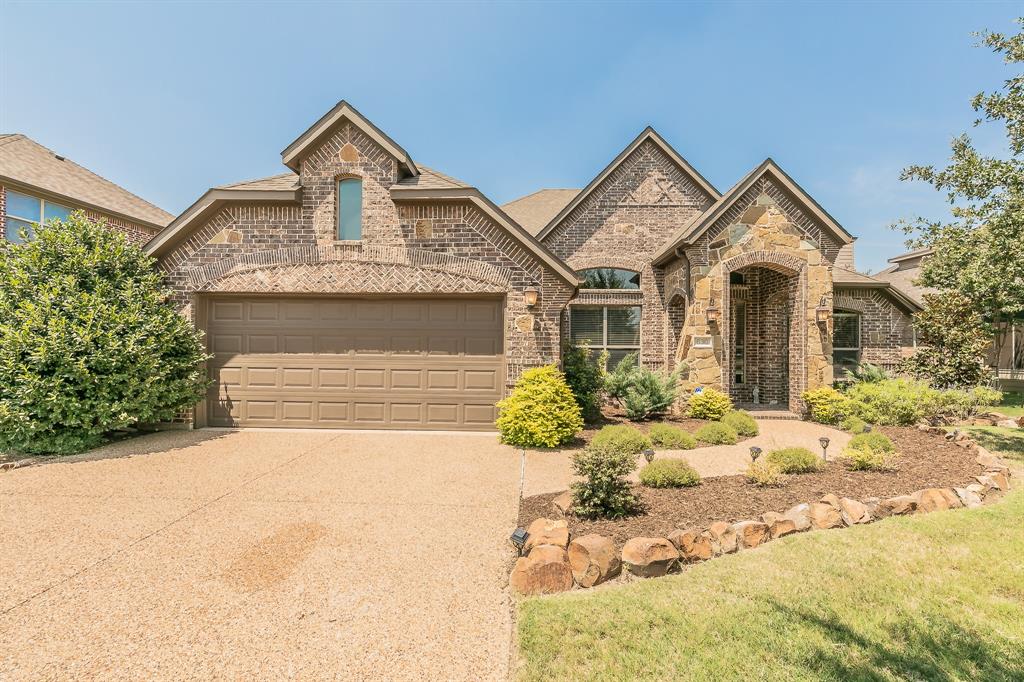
(765,474)
(826,405)
(794,460)
(540,412)
(874,441)
(671,437)
(669,473)
(854,424)
(717,433)
(622,437)
(741,422)
(866,458)
(709,404)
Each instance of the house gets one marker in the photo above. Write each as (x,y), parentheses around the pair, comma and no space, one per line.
(362,289)
(37,184)
(1006,357)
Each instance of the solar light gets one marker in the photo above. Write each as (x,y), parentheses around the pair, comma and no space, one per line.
(519,536)
(824,441)
(649,455)
(755,452)
(867,428)
(530,297)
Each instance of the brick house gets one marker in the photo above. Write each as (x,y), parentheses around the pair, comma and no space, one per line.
(361,289)
(37,184)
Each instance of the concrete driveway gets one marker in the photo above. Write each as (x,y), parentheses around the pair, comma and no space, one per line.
(261,554)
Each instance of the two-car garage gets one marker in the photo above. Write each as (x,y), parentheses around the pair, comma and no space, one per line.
(378,363)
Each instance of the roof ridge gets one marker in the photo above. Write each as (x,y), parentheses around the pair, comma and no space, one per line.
(543,189)
(266,177)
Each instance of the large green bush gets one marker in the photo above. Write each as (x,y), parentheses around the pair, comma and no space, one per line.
(671,437)
(540,412)
(669,473)
(642,392)
(794,460)
(585,375)
(741,422)
(717,433)
(88,341)
(826,405)
(894,402)
(603,489)
(622,437)
(709,404)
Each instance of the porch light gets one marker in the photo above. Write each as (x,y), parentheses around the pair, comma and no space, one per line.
(530,297)
(824,441)
(649,455)
(519,536)
(823,313)
(755,452)
(714,314)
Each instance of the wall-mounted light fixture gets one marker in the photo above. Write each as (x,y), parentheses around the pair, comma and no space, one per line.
(713,313)
(823,313)
(530,296)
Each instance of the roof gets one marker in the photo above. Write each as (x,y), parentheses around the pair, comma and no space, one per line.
(431,179)
(841,277)
(344,111)
(25,162)
(648,134)
(274,182)
(693,230)
(536,210)
(910,255)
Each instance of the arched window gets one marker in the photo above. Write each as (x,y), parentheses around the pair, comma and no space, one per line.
(350,208)
(609,278)
(846,339)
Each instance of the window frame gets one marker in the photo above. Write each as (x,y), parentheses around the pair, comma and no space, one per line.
(42,212)
(604,345)
(338,181)
(582,274)
(860,346)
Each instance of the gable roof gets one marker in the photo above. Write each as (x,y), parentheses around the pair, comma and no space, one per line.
(849,279)
(650,134)
(25,162)
(343,110)
(430,179)
(692,231)
(910,255)
(535,211)
(274,182)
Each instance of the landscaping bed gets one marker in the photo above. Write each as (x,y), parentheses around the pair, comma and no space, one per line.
(611,415)
(925,461)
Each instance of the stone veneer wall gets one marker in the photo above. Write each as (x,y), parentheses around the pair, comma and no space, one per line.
(136,233)
(764,228)
(409,248)
(886,329)
(628,217)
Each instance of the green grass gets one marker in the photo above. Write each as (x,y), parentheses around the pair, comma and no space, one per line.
(1012,405)
(1000,440)
(936,597)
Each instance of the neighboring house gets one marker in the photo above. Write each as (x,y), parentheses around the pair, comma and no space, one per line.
(37,185)
(1008,361)
(362,289)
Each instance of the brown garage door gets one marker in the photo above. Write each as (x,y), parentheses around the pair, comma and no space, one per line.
(360,363)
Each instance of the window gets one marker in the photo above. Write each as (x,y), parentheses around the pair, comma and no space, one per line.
(612,328)
(846,339)
(350,208)
(739,346)
(609,278)
(24,210)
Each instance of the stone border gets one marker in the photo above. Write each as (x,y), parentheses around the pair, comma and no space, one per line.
(551,563)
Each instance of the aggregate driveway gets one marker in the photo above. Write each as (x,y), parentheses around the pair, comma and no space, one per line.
(261,554)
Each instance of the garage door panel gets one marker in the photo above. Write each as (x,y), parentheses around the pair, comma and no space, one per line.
(388,363)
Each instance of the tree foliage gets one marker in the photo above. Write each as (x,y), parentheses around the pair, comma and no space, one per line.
(88,342)
(980,252)
(952,340)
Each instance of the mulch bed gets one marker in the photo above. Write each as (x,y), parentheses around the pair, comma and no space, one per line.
(613,415)
(925,461)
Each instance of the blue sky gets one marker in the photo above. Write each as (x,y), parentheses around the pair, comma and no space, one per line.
(168,99)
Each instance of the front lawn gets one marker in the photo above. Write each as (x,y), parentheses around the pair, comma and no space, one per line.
(1006,442)
(929,597)
(1012,405)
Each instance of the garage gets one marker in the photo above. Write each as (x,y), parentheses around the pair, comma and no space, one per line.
(375,363)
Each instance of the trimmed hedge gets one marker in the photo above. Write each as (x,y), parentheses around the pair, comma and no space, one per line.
(671,437)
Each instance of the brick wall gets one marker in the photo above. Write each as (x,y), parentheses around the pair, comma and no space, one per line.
(138,234)
(628,217)
(886,329)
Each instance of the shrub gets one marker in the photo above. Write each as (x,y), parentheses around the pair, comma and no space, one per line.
(540,412)
(618,381)
(866,458)
(88,342)
(794,460)
(894,402)
(671,437)
(826,405)
(709,404)
(604,490)
(869,373)
(765,474)
(964,404)
(741,422)
(650,393)
(874,441)
(622,437)
(953,340)
(585,375)
(854,424)
(669,473)
(717,433)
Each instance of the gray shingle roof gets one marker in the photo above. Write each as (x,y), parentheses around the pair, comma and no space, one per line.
(25,161)
(535,211)
(431,179)
(274,182)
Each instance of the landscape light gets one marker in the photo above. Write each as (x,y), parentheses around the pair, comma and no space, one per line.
(649,455)
(519,536)
(824,441)
(755,452)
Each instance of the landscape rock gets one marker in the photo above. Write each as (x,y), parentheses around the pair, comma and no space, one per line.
(875,508)
(593,560)
(751,534)
(986,458)
(978,489)
(995,480)
(723,538)
(778,525)
(831,500)
(824,516)
(545,571)
(969,498)
(547,532)
(936,499)
(853,512)
(1020,422)
(800,516)
(899,505)
(562,503)
(1007,423)
(693,545)
(649,557)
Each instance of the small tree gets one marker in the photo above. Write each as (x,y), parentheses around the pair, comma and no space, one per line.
(953,339)
(88,342)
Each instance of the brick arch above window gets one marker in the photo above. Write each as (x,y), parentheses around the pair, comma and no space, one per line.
(772,260)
